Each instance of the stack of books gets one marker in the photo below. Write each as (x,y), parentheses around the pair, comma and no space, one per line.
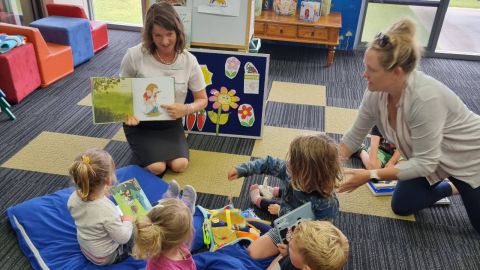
(382,188)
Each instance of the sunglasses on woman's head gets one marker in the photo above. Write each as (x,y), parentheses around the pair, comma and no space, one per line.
(382,40)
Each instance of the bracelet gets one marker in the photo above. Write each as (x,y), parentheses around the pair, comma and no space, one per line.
(187,106)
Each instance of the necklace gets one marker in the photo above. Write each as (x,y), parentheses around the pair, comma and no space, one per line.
(163,61)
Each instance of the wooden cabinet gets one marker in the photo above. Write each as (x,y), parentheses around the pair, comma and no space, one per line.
(289,28)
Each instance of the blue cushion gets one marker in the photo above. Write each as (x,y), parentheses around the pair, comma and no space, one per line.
(230,257)
(197,242)
(46,230)
(74,32)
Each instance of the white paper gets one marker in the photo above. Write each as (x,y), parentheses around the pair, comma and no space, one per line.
(251,79)
(185,14)
(220,7)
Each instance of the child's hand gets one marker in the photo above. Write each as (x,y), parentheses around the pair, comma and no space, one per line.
(132,121)
(232,174)
(283,249)
(274,209)
(127,218)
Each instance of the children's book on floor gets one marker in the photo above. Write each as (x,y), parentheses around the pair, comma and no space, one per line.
(382,188)
(287,223)
(113,99)
(131,199)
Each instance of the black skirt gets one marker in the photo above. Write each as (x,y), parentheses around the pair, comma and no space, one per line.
(156,141)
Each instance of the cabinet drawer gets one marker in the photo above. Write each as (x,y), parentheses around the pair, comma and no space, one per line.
(311,32)
(259,27)
(282,30)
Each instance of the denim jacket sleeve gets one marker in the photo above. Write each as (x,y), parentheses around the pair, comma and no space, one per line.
(325,208)
(268,165)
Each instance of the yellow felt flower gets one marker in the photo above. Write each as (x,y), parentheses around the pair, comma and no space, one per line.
(224,98)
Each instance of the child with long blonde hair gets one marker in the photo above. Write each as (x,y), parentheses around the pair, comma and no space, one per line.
(104,236)
(163,236)
(310,174)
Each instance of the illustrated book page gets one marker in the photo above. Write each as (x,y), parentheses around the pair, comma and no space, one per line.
(114,99)
(131,199)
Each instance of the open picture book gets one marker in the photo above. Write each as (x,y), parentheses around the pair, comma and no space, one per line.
(113,98)
(287,223)
(131,199)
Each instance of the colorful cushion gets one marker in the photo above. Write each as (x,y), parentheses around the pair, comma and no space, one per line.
(46,231)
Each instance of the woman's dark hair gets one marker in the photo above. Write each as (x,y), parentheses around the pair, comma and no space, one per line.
(163,15)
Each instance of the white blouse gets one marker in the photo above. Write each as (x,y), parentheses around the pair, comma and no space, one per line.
(185,70)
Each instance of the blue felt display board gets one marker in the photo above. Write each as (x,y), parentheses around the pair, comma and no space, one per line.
(215,61)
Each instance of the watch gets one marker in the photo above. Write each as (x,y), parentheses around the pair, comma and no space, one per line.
(374,175)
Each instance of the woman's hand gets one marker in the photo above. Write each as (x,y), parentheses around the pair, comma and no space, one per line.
(132,121)
(175,110)
(353,179)
(232,174)
(274,209)
(283,249)
(389,165)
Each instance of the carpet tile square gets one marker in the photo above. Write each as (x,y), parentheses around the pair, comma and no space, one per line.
(52,152)
(362,201)
(207,173)
(119,136)
(276,141)
(86,101)
(306,94)
(287,115)
(339,120)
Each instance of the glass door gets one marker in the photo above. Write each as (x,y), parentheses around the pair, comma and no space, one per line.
(379,15)
(460,30)
(118,12)
(11,12)
(445,28)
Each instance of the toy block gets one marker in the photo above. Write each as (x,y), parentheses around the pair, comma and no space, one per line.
(5,106)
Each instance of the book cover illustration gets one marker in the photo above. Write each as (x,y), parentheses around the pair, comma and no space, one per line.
(131,199)
(287,223)
(113,99)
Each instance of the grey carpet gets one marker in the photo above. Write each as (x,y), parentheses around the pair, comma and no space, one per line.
(441,238)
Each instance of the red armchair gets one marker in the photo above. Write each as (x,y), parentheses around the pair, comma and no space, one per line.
(98,29)
(55,61)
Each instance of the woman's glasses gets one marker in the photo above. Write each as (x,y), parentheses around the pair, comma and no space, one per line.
(382,40)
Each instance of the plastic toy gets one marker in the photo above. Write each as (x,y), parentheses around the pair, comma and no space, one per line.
(5,106)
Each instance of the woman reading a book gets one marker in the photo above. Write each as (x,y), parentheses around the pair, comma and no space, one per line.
(161,144)
(433,129)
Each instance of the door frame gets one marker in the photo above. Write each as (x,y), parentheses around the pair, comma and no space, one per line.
(441,11)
